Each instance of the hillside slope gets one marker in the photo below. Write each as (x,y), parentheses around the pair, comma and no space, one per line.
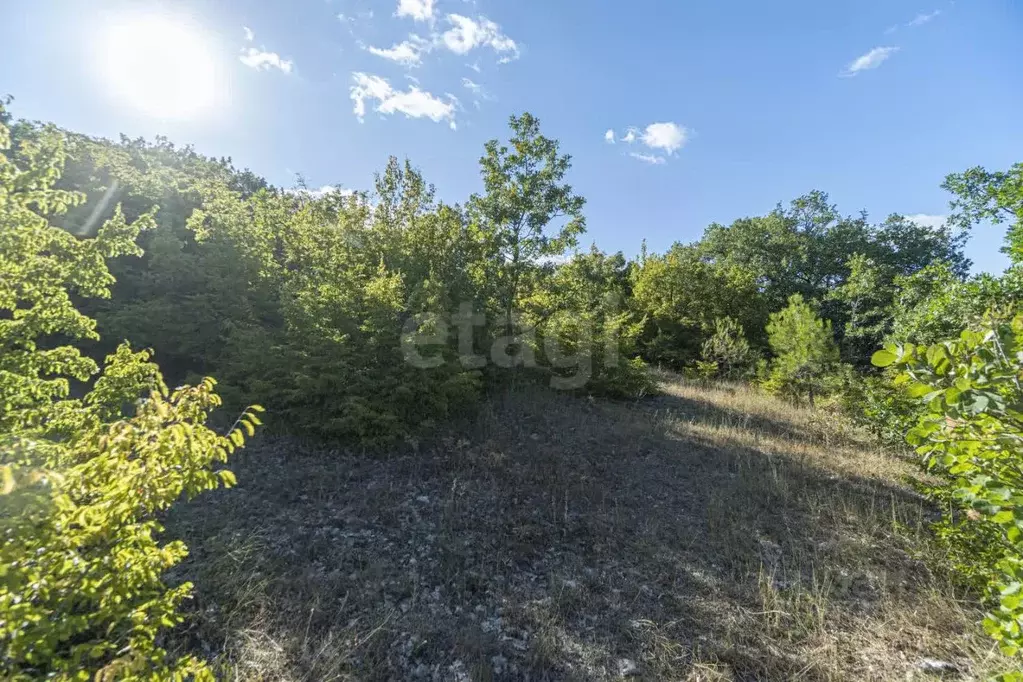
(703,534)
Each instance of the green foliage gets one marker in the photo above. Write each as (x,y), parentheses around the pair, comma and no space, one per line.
(971,434)
(312,303)
(729,350)
(344,281)
(524,191)
(701,371)
(998,197)
(866,296)
(752,267)
(682,296)
(871,401)
(804,348)
(83,478)
(806,248)
(935,303)
(588,332)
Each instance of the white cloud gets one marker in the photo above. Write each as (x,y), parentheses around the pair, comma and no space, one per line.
(478,92)
(407,53)
(870,60)
(931,221)
(467,34)
(418,10)
(414,103)
(923,18)
(463,35)
(648,158)
(262,60)
(249,35)
(667,136)
(663,138)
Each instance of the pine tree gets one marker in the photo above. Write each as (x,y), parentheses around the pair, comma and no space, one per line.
(804,349)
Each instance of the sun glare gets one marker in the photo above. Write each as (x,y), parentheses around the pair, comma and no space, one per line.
(158,65)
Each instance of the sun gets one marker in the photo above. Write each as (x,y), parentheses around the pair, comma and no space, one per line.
(158,65)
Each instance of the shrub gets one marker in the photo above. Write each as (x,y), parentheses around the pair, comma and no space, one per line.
(804,348)
(875,404)
(729,349)
(701,372)
(589,338)
(971,434)
(81,595)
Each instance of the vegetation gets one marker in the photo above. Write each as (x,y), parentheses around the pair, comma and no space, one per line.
(82,595)
(970,434)
(804,350)
(969,422)
(375,320)
(729,350)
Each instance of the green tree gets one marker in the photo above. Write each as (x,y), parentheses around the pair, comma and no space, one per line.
(804,349)
(682,294)
(590,334)
(802,249)
(524,193)
(83,478)
(866,298)
(806,248)
(998,197)
(728,349)
(936,303)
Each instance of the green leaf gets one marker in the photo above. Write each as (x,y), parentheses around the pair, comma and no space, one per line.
(1003,517)
(883,358)
(917,390)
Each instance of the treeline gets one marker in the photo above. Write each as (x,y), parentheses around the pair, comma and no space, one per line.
(318,305)
(374,316)
(323,306)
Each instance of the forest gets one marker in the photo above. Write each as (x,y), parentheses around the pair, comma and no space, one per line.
(162,309)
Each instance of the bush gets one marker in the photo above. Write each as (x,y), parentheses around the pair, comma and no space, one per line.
(729,349)
(81,595)
(804,348)
(971,435)
(586,337)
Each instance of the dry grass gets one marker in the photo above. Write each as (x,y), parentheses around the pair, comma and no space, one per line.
(703,534)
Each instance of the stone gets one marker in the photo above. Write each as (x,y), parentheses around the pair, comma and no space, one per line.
(627,667)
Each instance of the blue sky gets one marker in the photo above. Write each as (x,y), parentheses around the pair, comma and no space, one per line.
(871,101)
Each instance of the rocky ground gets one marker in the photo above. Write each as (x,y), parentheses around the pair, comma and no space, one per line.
(703,534)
